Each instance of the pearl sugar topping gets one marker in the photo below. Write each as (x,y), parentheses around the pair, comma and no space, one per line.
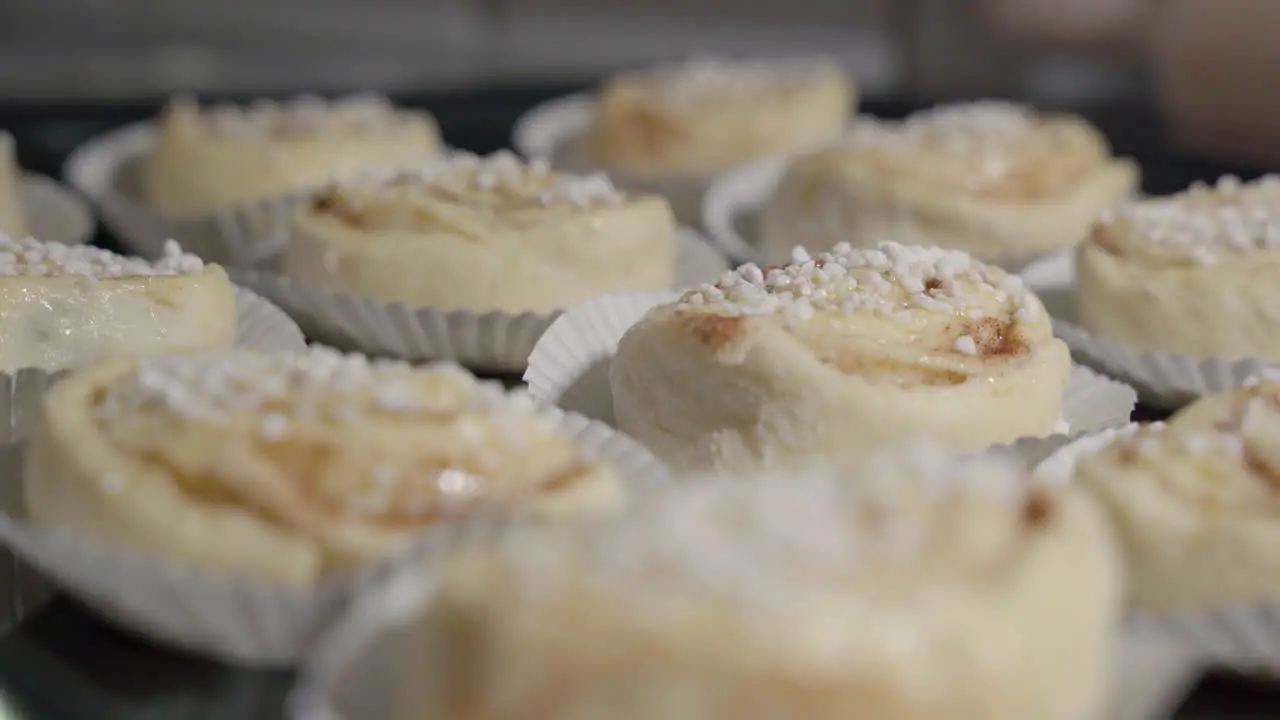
(887,279)
(701,78)
(32,258)
(1207,223)
(502,172)
(287,387)
(305,114)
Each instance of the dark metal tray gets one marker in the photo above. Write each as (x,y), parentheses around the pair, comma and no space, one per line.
(58,661)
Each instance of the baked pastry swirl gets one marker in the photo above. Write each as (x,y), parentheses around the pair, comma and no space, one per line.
(12,221)
(226,157)
(923,587)
(291,467)
(838,355)
(994,179)
(483,233)
(1195,502)
(1188,273)
(703,116)
(64,306)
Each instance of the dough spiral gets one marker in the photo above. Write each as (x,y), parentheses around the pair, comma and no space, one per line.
(226,157)
(994,179)
(289,467)
(1197,502)
(838,355)
(1190,273)
(702,116)
(483,233)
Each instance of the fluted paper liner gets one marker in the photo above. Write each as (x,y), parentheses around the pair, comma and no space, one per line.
(553,130)
(353,672)
(492,342)
(233,619)
(1244,639)
(569,367)
(259,326)
(731,208)
(106,169)
(1166,380)
(53,213)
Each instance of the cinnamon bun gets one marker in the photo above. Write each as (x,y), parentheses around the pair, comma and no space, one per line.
(12,221)
(837,355)
(483,233)
(222,158)
(64,306)
(924,586)
(994,179)
(1195,502)
(1189,273)
(700,117)
(291,467)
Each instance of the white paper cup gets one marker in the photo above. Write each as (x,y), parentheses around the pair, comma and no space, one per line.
(53,213)
(233,619)
(553,132)
(569,367)
(106,170)
(1165,380)
(259,326)
(491,342)
(1058,468)
(354,670)
(732,206)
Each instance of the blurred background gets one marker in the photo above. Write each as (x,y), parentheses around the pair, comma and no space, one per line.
(1205,67)
(135,48)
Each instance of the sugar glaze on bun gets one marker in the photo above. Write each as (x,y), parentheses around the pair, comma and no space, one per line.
(293,467)
(65,306)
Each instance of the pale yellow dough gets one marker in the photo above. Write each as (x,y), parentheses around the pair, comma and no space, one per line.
(996,180)
(224,158)
(63,307)
(922,587)
(481,234)
(12,222)
(1196,503)
(289,468)
(702,117)
(835,357)
(1192,273)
